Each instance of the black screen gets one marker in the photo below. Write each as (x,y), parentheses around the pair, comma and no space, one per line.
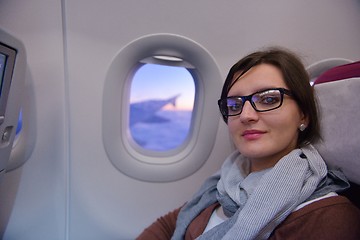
(7,64)
(2,69)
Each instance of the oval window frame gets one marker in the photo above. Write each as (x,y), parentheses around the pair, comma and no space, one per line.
(181,162)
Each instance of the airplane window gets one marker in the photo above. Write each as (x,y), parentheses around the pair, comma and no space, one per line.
(161,104)
(158,90)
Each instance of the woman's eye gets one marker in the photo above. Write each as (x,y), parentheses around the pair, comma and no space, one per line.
(269,99)
(234,107)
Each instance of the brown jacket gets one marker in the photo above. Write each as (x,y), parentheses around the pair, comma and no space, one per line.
(329,218)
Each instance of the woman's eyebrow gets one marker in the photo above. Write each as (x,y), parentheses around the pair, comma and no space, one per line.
(255,91)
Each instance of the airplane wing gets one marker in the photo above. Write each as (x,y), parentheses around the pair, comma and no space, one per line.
(145,111)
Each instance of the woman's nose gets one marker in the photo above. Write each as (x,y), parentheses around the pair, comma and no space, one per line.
(248,113)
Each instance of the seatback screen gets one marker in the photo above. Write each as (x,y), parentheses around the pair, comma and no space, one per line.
(7,63)
(2,70)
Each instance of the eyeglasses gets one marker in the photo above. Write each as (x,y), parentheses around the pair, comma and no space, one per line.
(261,101)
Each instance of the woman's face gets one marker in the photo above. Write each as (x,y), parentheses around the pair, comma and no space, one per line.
(264,137)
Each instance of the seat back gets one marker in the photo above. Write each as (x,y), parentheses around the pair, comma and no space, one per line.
(338,92)
(12,82)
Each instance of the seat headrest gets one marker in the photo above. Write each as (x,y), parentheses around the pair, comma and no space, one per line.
(341,72)
(338,93)
(318,68)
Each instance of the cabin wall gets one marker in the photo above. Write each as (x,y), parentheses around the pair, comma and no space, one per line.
(68,188)
(33,197)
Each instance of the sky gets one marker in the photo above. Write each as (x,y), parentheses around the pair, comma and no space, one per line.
(154,81)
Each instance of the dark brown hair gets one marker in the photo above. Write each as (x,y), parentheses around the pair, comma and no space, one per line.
(296,79)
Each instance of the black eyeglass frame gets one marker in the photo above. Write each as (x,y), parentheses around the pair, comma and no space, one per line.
(249,98)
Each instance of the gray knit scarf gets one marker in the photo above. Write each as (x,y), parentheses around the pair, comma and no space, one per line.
(258,202)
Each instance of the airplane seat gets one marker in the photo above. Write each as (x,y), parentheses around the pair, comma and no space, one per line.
(338,95)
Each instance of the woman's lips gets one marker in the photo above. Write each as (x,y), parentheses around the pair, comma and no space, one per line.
(252,134)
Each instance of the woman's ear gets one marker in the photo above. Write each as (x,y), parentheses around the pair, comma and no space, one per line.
(304,119)
(304,122)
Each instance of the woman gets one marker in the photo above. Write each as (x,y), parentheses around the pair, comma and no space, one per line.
(276,185)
